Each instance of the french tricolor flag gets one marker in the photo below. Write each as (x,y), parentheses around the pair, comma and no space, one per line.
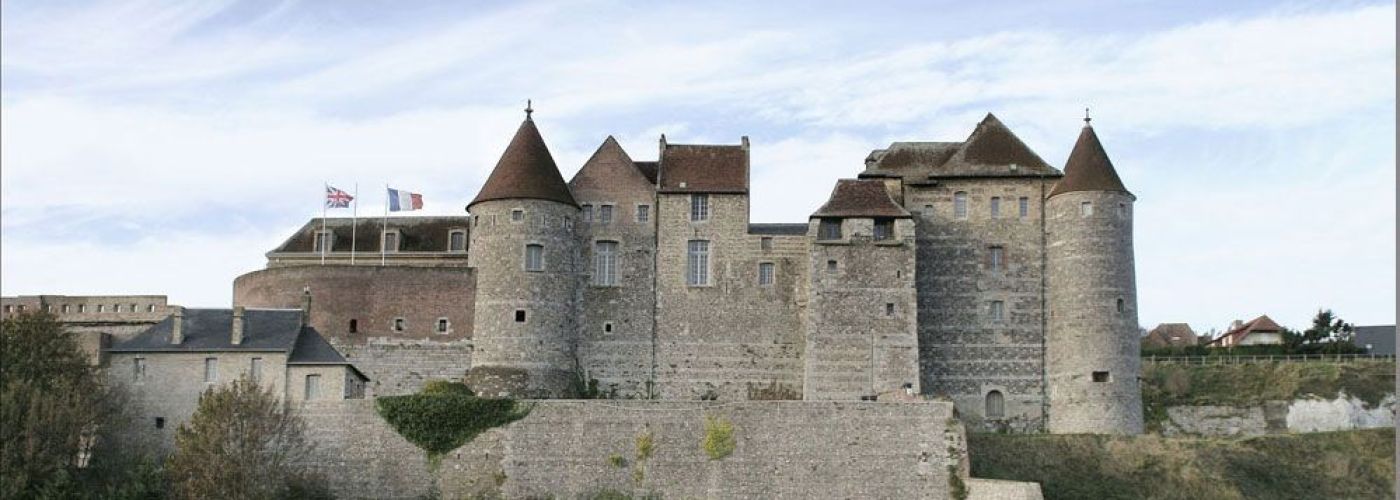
(400,201)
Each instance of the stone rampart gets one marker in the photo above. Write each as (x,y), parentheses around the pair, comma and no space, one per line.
(573,449)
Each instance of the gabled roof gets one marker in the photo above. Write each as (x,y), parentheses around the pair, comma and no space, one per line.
(1167,334)
(648,170)
(610,168)
(993,148)
(1088,167)
(704,168)
(416,234)
(860,198)
(1262,324)
(526,170)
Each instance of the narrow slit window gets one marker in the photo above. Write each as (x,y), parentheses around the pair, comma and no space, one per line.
(889,309)
(255,369)
(519,315)
(354,326)
(607,327)
(442,325)
(138,370)
(1023,207)
(998,310)
(1119,306)
(400,325)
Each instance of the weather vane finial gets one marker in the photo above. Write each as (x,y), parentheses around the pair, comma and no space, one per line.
(528,109)
(1086,117)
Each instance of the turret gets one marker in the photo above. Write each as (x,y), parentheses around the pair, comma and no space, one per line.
(1092,359)
(525,254)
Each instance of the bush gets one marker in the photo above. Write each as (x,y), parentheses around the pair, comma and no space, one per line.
(719,437)
(440,387)
(442,421)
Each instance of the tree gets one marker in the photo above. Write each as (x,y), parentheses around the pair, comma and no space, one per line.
(52,405)
(1326,327)
(241,443)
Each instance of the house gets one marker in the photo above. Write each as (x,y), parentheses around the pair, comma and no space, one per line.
(1377,339)
(1170,335)
(1258,331)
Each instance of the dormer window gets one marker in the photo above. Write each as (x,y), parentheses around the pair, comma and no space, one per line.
(830,229)
(391,240)
(322,243)
(884,229)
(457,241)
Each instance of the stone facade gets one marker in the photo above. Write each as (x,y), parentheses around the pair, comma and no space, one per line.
(119,316)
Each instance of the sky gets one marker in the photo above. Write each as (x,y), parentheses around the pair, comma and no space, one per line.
(163,148)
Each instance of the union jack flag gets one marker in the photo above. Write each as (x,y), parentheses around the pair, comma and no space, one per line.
(336,198)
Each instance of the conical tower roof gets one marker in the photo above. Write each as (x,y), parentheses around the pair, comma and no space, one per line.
(526,170)
(1088,167)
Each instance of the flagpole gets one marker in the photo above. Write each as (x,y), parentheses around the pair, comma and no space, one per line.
(325,238)
(385,228)
(354,221)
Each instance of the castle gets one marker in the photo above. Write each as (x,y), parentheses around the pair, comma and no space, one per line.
(968,270)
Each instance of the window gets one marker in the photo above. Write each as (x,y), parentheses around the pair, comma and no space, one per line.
(21,308)
(607,327)
(100,308)
(442,324)
(133,308)
(928,211)
(160,422)
(998,311)
(138,370)
(889,309)
(116,308)
(517,215)
(7,309)
(830,229)
(587,213)
(960,205)
(830,266)
(1023,207)
(996,207)
(354,326)
(457,241)
(400,324)
(996,405)
(1086,208)
(884,229)
(699,207)
(64,309)
(48,308)
(697,263)
(82,308)
(1102,377)
(995,256)
(605,263)
(534,257)
(519,315)
(391,241)
(643,213)
(1119,306)
(605,214)
(1122,210)
(765,273)
(765,243)
(151,308)
(211,370)
(322,244)
(255,369)
(313,387)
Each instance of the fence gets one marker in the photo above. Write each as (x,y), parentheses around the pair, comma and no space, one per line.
(1267,358)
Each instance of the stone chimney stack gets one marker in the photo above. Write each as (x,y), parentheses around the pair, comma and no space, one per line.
(237,337)
(177,326)
(306,306)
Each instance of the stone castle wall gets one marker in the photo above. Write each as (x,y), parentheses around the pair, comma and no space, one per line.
(1092,347)
(729,339)
(965,354)
(862,324)
(566,449)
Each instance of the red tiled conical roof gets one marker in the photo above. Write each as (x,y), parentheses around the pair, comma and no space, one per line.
(526,170)
(1088,167)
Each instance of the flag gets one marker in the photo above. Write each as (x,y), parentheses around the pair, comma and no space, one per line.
(336,198)
(400,201)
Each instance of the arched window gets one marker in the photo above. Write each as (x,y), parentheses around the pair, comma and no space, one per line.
(1120,305)
(996,405)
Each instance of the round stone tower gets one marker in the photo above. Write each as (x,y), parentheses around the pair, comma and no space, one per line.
(525,255)
(1092,358)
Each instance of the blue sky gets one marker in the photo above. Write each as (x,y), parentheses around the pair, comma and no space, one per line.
(163,148)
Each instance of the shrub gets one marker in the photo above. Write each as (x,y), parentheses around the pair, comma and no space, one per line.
(439,387)
(616,460)
(443,421)
(645,446)
(719,437)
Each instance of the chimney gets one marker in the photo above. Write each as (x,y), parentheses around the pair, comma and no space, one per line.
(306,306)
(237,325)
(177,326)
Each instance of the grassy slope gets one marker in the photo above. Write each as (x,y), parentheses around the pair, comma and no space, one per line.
(1251,384)
(1353,464)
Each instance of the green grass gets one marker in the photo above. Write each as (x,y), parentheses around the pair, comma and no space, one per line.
(1351,464)
(1166,385)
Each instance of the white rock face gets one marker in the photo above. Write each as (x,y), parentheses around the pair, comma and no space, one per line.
(1343,413)
(1302,415)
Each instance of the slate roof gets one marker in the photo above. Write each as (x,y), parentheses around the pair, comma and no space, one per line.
(416,234)
(648,169)
(264,330)
(1088,167)
(782,229)
(1381,338)
(860,198)
(525,170)
(1261,324)
(704,168)
(989,151)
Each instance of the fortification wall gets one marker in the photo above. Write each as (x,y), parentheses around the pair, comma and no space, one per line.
(965,354)
(731,338)
(566,449)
